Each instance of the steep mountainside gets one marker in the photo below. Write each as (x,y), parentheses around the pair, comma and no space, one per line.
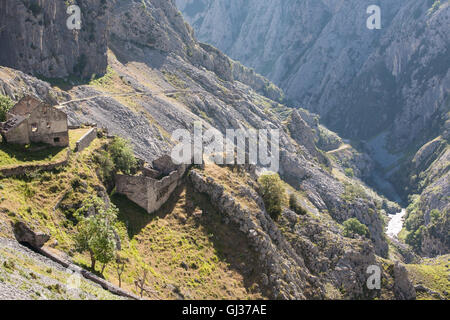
(389,87)
(159,79)
(360,81)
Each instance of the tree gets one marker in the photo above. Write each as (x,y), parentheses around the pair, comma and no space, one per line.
(141,279)
(354,226)
(96,231)
(122,155)
(295,206)
(5,105)
(349,172)
(273,193)
(120,268)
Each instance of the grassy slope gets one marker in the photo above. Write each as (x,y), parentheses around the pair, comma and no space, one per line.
(433,273)
(187,253)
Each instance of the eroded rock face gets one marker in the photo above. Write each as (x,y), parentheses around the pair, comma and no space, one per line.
(322,54)
(35,38)
(202,94)
(403,288)
(362,82)
(301,257)
(285,274)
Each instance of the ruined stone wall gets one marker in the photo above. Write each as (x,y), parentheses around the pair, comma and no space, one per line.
(149,193)
(20,170)
(18,134)
(85,141)
(134,187)
(159,191)
(48,125)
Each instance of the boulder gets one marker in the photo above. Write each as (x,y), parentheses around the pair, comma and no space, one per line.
(24,234)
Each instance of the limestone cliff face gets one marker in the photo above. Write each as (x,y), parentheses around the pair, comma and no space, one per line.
(161,79)
(35,38)
(360,81)
(364,83)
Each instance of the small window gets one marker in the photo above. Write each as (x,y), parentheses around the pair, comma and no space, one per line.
(34,127)
(56,140)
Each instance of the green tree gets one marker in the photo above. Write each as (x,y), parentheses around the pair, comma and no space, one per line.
(353,226)
(96,231)
(415,238)
(5,105)
(273,193)
(122,155)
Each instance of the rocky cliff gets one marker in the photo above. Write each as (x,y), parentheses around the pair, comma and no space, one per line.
(389,87)
(35,38)
(159,79)
(322,54)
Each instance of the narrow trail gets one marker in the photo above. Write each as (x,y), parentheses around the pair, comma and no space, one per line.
(341,148)
(167,93)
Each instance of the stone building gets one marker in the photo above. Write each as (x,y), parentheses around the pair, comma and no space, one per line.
(151,189)
(33,121)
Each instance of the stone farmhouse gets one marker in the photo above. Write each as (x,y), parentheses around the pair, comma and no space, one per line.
(33,121)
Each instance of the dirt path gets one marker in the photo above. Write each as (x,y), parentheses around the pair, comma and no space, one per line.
(168,93)
(341,148)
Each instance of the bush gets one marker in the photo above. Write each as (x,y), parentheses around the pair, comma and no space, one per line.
(273,193)
(349,172)
(414,239)
(106,166)
(354,226)
(122,155)
(295,206)
(5,105)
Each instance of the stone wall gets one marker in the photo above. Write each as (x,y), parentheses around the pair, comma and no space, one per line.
(85,141)
(18,134)
(147,192)
(26,168)
(50,126)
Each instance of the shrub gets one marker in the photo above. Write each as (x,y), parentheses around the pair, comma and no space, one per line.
(106,165)
(122,155)
(5,105)
(295,206)
(349,172)
(414,238)
(354,226)
(273,193)
(435,7)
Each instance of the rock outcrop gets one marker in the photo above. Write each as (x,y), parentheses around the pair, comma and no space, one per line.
(24,234)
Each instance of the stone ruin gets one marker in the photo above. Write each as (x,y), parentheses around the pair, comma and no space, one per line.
(33,121)
(154,185)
